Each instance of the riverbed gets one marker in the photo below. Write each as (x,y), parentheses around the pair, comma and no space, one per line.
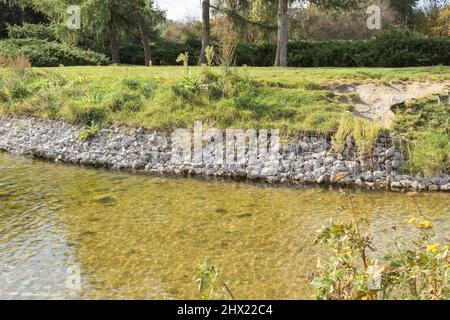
(142,237)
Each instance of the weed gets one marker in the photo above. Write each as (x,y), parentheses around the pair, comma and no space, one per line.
(89,132)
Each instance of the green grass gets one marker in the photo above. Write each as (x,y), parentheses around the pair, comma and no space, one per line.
(424,129)
(293,99)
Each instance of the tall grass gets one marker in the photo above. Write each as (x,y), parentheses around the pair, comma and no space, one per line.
(364,134)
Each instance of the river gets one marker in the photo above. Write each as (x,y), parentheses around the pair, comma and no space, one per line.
(140,237)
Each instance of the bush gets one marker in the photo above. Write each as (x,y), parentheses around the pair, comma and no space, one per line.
(28,30)
(42,53)
(394,48)
(415,269)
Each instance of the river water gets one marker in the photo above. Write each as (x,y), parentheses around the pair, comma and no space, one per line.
(140,237)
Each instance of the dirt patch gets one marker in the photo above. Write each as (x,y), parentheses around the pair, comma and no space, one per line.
(373,101)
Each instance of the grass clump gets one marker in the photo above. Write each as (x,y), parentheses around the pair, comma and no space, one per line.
(89,132)
(430,154)
(343,133)
(364,134)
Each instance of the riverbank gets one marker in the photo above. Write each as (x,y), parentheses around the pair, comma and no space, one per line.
(305,159)
(292,99)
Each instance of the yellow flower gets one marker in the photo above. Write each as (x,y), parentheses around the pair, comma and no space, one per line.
(425,224)
(347,248)
(365,298)
(411,220)
(433,247)
(384,268)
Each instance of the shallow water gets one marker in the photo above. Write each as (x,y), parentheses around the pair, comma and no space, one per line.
(142,237)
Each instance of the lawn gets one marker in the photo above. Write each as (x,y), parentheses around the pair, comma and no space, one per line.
(292,99)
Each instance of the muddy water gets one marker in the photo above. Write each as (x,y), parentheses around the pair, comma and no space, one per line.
(142,237)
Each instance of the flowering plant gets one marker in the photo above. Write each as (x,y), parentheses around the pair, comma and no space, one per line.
(419,269)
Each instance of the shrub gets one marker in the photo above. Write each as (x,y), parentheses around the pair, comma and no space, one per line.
(27,30)
(18,62)
(392,48)
(430,154)
(42,53)
(414,269)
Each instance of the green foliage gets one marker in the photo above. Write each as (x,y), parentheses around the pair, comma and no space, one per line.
(430,154)
(210,55)
(43,53)
(163,99)
(12,13)
(210,283)
(343,133)
(417,269)
(394,48)
(35,31)
(89,132)
(423,125)
(364,134)
(166,52)
(414,117)
(184,57)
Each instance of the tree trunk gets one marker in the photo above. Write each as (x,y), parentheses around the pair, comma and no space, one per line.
(113,45)
(144,39)
(281,57)
(206,30)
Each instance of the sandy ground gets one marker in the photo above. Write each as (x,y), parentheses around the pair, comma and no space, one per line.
(373,101)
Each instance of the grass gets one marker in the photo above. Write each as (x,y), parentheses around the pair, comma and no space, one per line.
(165,97)
(430,154)
(424,128)
(292,100)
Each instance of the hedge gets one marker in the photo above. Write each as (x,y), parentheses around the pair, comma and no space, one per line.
(42,53)
(396,48)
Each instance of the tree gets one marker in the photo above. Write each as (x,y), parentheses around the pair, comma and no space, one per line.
(105,21)
(282,42)
(404,10)
(18,13)
(144,15)
(206,31)
(282,38)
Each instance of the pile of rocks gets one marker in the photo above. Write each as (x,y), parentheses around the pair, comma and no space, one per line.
(307,159)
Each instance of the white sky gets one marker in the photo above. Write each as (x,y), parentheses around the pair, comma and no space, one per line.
(180,9)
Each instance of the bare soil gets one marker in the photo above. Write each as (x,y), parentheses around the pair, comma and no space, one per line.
(373,101)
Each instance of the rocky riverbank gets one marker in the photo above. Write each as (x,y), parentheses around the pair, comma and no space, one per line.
(305,159)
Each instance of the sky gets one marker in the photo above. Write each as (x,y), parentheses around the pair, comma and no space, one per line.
(180,9)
